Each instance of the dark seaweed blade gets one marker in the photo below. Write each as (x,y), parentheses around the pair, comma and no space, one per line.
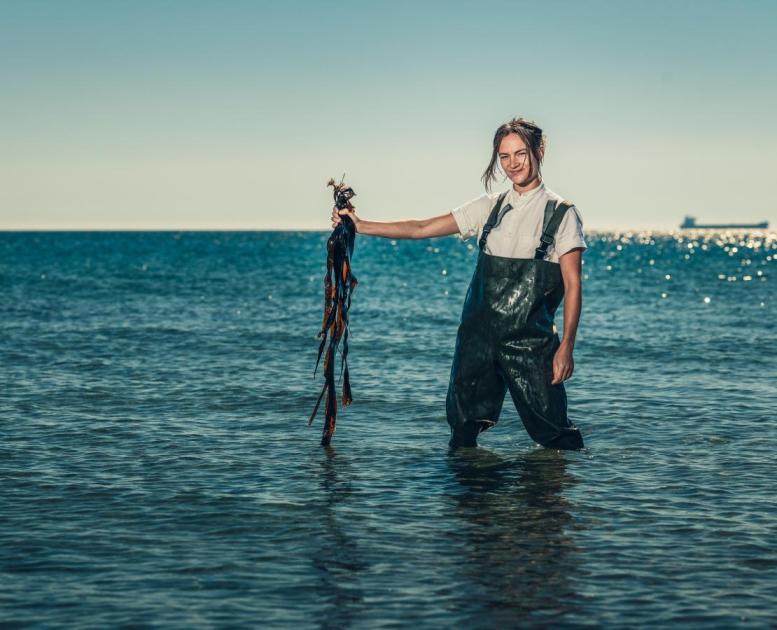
(339,283)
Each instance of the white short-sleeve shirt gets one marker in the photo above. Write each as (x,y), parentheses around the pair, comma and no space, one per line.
(518,235)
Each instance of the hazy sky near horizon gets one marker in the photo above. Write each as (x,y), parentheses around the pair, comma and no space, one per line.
(233,115)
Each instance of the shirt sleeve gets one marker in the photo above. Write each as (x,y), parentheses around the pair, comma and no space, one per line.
(570,233)
(472,216)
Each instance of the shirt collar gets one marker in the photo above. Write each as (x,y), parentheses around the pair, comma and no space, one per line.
(528,194)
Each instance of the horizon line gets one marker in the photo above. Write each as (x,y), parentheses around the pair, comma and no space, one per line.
(222,229)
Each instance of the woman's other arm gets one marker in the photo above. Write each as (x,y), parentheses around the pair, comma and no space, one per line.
(563,363)
(442,225)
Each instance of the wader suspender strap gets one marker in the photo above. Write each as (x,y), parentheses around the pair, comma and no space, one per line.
(494,219)
(551,226)
(549,208)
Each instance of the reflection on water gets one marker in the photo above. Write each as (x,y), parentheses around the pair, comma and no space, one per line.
(519,553)
(337,560)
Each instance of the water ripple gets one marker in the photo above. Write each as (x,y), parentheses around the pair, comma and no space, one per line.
(158,469)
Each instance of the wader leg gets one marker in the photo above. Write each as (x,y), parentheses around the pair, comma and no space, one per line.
(475,393)
(542,406)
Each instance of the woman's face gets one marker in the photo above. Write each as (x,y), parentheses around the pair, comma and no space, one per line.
(515,159)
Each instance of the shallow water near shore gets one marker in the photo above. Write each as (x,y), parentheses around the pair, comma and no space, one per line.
(158,468)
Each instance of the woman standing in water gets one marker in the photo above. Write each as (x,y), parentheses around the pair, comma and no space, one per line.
(531,244)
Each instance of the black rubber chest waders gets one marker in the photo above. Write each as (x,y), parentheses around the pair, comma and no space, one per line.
(506,342)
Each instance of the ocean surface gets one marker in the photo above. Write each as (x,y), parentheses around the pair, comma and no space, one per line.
(157,468)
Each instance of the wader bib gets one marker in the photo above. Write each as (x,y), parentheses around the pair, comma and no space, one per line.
(506,342)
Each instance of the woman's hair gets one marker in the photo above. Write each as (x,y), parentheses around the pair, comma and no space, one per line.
(532,136)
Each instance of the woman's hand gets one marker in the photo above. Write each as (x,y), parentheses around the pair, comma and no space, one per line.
(336,214)
(563,365)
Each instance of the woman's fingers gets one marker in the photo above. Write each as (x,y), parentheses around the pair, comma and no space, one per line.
(336,214)
(555,378)
(562,371)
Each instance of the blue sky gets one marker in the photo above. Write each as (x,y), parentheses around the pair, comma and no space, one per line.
(233,115)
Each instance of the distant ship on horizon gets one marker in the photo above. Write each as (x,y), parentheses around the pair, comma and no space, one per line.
(690,224)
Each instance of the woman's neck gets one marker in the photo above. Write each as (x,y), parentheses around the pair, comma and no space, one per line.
(535,183)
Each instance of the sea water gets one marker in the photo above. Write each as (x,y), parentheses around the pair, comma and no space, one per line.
(157,468)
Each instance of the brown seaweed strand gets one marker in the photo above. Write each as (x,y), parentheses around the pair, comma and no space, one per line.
(329,295)
(328,287)
(349,286)
(337,333)
(338,286)
(332,331)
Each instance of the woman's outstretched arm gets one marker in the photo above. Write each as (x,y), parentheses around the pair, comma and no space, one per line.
(411,228)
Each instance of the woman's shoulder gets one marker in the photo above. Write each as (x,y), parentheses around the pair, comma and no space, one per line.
(489,197)
(493,196)
(556,197)
(552,194)
(480,203)
(472,215)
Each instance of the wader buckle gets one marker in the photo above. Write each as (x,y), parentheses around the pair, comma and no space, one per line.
(484,236)
(545,242)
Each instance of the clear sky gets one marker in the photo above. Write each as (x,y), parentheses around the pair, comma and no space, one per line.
(234,114)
